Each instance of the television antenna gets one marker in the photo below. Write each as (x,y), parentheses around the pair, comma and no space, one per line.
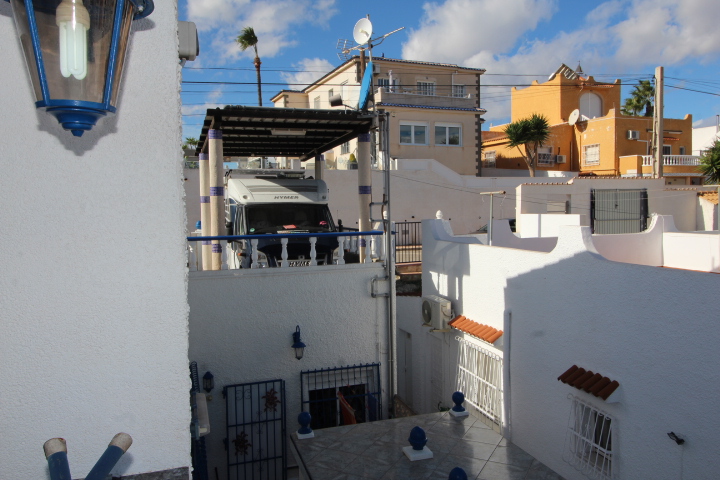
(362,39)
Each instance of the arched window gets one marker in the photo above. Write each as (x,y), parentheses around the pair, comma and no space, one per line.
(591,105)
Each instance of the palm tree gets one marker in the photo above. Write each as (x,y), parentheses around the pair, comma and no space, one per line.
(642,97)
(532,133)
(247,39)
(710,163)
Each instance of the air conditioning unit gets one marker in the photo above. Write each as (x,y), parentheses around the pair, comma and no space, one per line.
(436,312)
(633,135)
(560,159)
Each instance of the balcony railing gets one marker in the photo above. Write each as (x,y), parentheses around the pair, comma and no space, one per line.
(348,242)
(420,97)
(673,160)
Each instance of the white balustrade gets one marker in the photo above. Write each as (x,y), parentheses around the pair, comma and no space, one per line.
(673,160)
(284,262)
(313,253)
(368,249)
(192,259)
(254,254)
(341,251)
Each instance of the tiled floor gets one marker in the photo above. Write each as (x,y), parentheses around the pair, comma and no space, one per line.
(374,450)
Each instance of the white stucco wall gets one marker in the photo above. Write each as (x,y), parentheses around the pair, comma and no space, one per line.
(241,325)
(94,309)
(651,329)
(681,204)
(703,137)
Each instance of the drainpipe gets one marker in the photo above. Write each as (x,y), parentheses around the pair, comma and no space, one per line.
(205,211)
(507,341)
(364,187)
(116,449)
(384,118)
(56,455)
(217,197)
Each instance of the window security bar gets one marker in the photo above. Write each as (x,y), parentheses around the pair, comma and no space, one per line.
(588,442)
(480,379)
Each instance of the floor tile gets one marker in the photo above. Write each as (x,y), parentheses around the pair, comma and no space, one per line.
(512,455)
(482,434)
(499,471)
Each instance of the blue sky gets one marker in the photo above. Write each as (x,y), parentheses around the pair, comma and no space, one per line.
(516,41)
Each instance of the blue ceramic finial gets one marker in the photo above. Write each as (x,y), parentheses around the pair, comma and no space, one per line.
(417,438)
(304,420)
(458,398)
(457,473)
(198,225)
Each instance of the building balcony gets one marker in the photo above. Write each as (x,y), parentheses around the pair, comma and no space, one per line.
(420,98)
(673,160)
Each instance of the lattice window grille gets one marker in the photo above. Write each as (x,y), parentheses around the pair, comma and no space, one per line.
(589,440)
(480,379)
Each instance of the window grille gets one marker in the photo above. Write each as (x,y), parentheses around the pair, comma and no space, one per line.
(591,154)
(383,82)
(342,395)
(426,88)
(480,379)
(667,150)
(545,156)
(458,90)
(489,158)
(345,148)
(589,440)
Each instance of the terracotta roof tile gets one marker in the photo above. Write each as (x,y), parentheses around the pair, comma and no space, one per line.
(592,383)
(478,330)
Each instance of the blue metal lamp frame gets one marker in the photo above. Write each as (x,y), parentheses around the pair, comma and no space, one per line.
(76,115)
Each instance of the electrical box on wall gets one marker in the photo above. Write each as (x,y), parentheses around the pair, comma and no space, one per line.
(188,43)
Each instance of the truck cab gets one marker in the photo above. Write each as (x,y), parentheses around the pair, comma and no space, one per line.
(265,205)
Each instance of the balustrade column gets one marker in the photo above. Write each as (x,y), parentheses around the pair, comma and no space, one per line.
(217,194)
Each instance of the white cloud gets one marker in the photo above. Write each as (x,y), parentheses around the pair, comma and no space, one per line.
(616,36)
(219,23)
(306,72)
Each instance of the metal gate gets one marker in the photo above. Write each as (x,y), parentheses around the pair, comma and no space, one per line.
(341,395)
(480,374)
(256,430)
(618,211)
(408,242)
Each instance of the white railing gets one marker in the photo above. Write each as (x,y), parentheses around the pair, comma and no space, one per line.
(684,160)
(347,243)
(480,374)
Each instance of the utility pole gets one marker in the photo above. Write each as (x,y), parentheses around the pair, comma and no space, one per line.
(658,127)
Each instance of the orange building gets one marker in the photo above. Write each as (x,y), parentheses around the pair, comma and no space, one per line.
(599,141)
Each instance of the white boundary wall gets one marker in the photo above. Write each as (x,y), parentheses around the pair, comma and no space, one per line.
(654,330)
(241,325)
(94,310)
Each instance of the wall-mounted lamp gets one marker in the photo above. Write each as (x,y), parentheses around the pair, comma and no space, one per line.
(298,345)
(208,381)
(75,53)
(676,438)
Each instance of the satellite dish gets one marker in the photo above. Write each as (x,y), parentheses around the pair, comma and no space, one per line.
(574,115)
(362,31)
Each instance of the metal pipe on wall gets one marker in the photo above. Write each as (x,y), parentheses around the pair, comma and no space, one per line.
(217,196)
(364,187)
(205,211)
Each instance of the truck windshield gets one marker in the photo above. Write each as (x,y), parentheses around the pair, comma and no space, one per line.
(289,218)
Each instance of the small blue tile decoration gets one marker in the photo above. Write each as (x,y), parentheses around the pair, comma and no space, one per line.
(457,473)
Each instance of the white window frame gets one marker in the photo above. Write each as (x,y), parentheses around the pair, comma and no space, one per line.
(545,155)
(330,94)
(344,148)
(594,157)
(316,102)
(447,127)
(588,441)
(412,132)
(489,158)
(383,82)
(426,88)
(459,91)
(343,90)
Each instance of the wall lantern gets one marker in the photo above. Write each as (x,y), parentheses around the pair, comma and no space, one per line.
(75,52)
(208,382)
(298,345)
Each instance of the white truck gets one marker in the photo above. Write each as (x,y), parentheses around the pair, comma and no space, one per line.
(264,205)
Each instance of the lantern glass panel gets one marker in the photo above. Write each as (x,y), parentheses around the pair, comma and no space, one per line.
(91,87)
